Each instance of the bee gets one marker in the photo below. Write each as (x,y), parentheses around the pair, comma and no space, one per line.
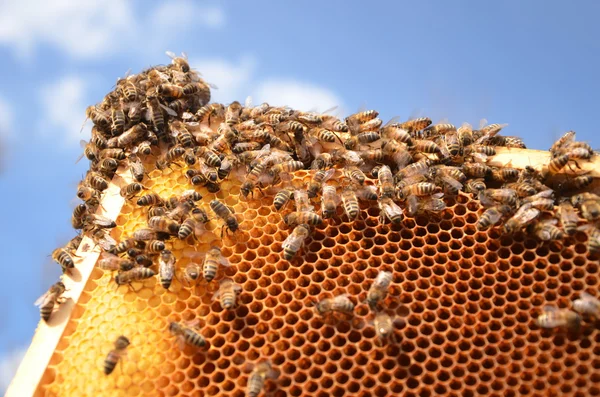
(155,246)
(150,199)
(199,215)
(438,129)
(371,125)
(144,260)
(164,224)
(117,116)
(453,144)
(568,217)
(226,214)
(489,131)
(475,185)
(397,152)
(292,244)
(587,304)
(384,325)
(256,381)
(135,274)
(90,151)
(98,117)
(523,189)
(227,294)
(97,182)
(553,317)
(324,135)
(113,357)
(340,304)
(580,153)
(50,299)
(513,142)
(418,189)
(157,117)
(107,167)
(148,234)
(588,204)
(414,204)
(505,174)
(568,137)
(181,105)
(373,155)
(288,166)
(441,176)
(115,153)
(546,230)
(483,150)
(476,170)
(227,164)
(350,203)
(577,183)
(415,125)
(557,164)
(181,63)
(130,137)
(131,190)
(246,146)
(390,210)
(361,139)
(197,87)
(210,157)
(113,262)
(191,273)
(316,183)
(214,109)
(386,182)
(329,201)
(77,219)
(282,198)
(213,259)
(186,229)
(303,217)
(124,246)
(524,215)
(492,216)
(74,243)
(128,89)
(379,289)
(184,137)
(465,134)
(63,258)
(166,268)
(187,334)
(356,175)
(170,90)
(362,117)
(136,167)
(233,112)
(425,146)
(490,197)
(171,156)
(394,132)
(302,202)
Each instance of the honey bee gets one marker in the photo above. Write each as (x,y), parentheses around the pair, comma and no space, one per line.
(157,117)
(390,210)
(213,109)
(131,190)
(394,132)
(246,146)
(136,167)
(492,216)
(112,262)
(386,182)
(147,235)
(433,203)
(379,289)
(154,246)
(128,88)
(115,153)
(568,217)
(117,116)
(135,274)
(96,181)
(188,226)
(150,199)
(63,258)
(90,151)
(233,112)
(418,189)
(171,156)
(164,224)
(350,202)
(98,117)
(260,373)
(316,183)
(475,185)
(227,294)
(587,305)
(489,131)
(553,317)
(282,198)
(340,304)
(292,244)
(476,170)
(191,273)
(384,325)
(505,174)
(113,357)
(588,204)
(186,335)
(226,214)
(78,217)
(361,139)
(130,137)
(438,129)
(568,137)
(212,260)
(490,197)
(546,230)
(324,135)
(524,215)
(199,215)
(362,117)
(414,125)
(302,217)
(50,299)
(577,183)
(355,175)
(287,167)
(465,134)
(73,244)
(166,268)
(169,90)
(329,202)
(557,164)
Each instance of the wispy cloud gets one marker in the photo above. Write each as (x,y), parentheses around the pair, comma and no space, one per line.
(296,94)
(8,367)
(63,105)
(92,29)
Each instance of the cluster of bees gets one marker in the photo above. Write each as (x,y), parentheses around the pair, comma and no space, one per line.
(405,168)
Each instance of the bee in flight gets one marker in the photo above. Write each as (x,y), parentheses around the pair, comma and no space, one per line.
(50,299)
(116,354)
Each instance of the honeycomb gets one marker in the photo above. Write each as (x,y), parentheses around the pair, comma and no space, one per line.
(469,300)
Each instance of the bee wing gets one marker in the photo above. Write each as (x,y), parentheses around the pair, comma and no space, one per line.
(107,242)
(224,261)
(169,111)
(42,299)
(103,221)
(171,54)
(452,182)
(549,308)
(328,174)
(587,297)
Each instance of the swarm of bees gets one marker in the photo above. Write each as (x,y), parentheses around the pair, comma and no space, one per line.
(162,118)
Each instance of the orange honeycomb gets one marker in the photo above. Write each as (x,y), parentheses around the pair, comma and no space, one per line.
(469,300)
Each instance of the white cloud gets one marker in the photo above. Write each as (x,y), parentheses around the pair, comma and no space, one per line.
(63,105)
(6,119)
(296,94)
(232,79)
(93,29)
(8,367)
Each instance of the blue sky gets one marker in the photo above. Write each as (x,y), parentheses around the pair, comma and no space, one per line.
(530,64)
